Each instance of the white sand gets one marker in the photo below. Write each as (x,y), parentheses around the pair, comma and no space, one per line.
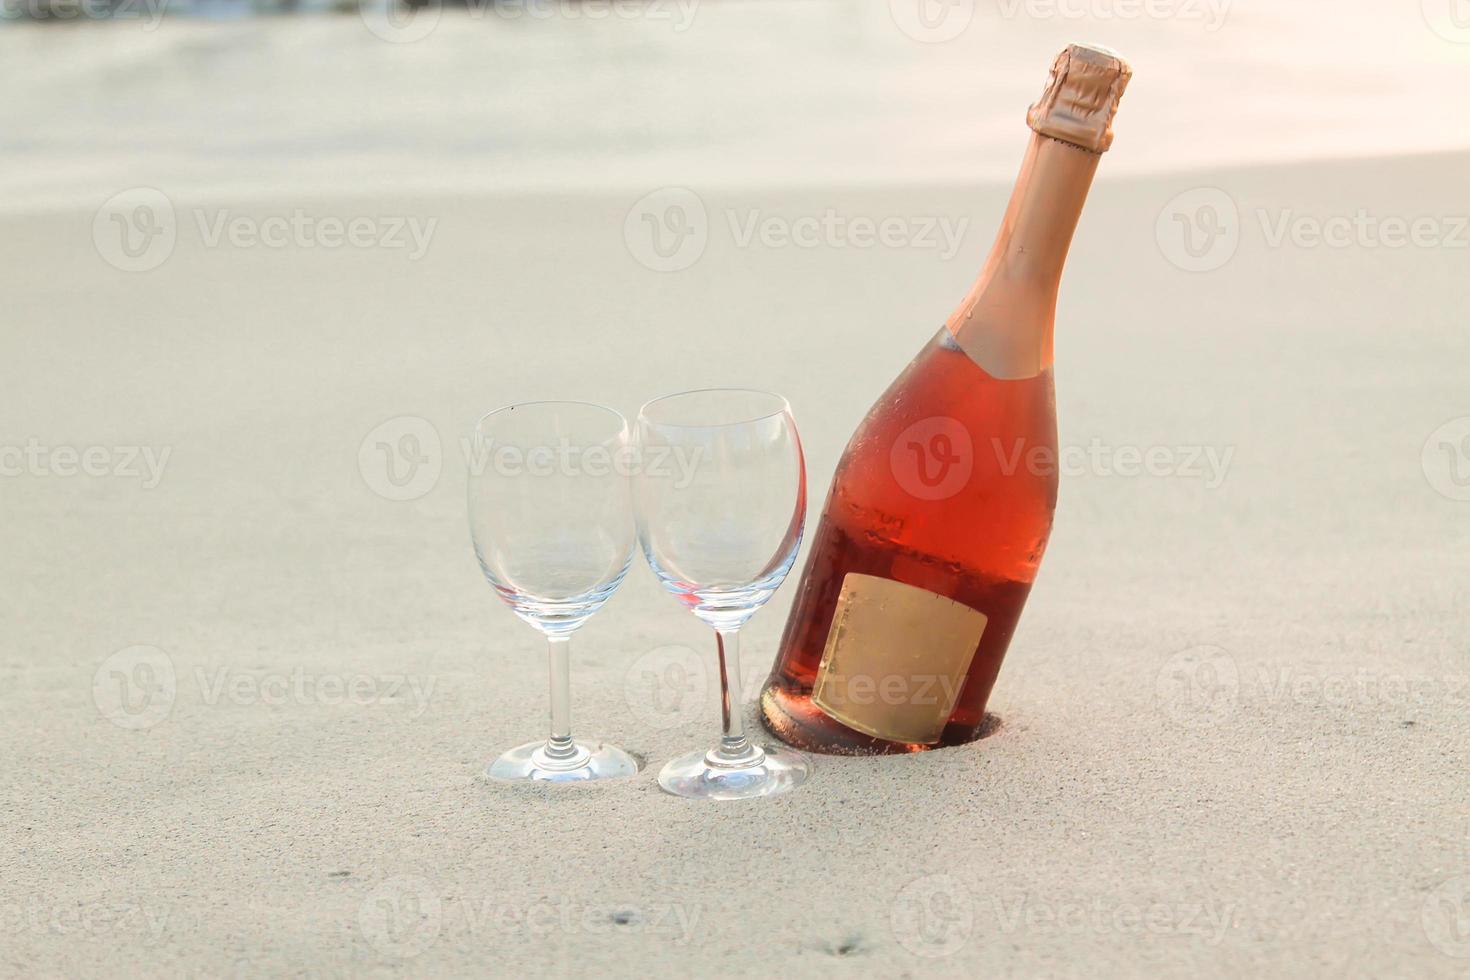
(1314,823)
(1305,813)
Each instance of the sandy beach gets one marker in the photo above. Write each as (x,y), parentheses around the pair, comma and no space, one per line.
(251,670)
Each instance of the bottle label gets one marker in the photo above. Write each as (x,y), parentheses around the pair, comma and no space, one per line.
(896,659)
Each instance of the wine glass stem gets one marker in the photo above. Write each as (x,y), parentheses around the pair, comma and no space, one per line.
(734,746)
(559,655)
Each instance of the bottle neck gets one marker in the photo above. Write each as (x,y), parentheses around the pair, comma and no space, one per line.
(1005,323)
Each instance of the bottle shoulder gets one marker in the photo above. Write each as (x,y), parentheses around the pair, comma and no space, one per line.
(943,393)
(951,463)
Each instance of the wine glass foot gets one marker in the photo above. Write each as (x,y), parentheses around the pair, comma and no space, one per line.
(588,762)
(701,776)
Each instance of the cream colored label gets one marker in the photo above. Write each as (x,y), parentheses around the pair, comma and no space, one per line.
(896,659)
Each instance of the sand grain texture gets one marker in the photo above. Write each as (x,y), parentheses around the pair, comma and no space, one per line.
(1296,809)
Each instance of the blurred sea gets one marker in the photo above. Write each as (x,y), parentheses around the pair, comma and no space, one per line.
(611,93)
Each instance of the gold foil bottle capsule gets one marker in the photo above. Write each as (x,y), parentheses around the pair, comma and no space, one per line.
(1081,97)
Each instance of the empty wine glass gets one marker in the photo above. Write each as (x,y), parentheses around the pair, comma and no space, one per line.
(720,495)
(551,517)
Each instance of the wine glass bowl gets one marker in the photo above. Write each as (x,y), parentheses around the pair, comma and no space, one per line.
(554,539)
(721,498)
(720,495)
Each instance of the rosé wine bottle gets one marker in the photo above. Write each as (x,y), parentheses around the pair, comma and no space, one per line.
(942,503)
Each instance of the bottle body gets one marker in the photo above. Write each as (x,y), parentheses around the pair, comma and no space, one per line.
(942,503)
(942,498)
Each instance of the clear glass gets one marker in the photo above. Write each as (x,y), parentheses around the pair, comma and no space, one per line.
(720,495)
(550,508)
